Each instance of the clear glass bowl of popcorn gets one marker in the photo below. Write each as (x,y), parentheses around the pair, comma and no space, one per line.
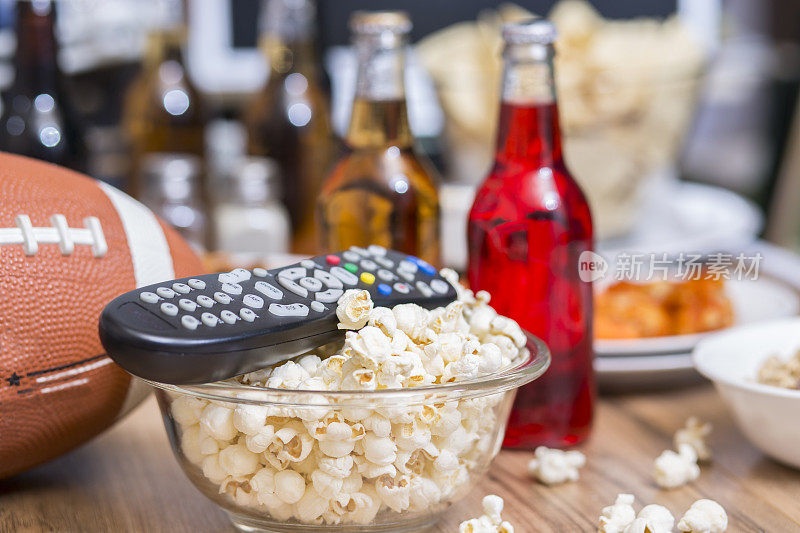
(381,433)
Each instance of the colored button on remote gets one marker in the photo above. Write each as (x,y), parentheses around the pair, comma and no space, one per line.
(333,259)
(402,288)
(384,289)
(367,278)
(425,267)
(350,267)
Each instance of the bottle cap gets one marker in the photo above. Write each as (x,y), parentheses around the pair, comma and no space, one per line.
(530,31)
(375,22)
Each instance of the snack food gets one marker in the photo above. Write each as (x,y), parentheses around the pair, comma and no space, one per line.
(780,372)
(68,245)
(628,310)
(553,467)
(490,521)
(704,516)
(674,469)
(325,464)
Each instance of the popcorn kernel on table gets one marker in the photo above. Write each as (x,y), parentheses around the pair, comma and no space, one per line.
(323,464)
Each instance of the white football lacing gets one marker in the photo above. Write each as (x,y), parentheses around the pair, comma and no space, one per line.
(30,238)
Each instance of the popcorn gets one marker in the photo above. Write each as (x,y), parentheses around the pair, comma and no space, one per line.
(673,470)
(704,516)
(694,434)
(553,467)
(289,486)
(218,422)
(652,519)
(491,521)
(353,309)
(615,518)
(321,463)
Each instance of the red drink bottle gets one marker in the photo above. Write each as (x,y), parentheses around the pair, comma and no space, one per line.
(528,226)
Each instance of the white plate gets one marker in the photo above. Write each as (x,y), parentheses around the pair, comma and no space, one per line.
(617,374)
(753,301)
(686,217)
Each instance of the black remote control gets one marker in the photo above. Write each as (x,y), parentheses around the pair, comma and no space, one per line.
(213,327)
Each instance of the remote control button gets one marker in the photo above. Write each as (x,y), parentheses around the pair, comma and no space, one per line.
(317,306)
(368,264)
(425,267)
(260,272)
(227,277)
(248,314)
(292,273)
(329,296)
(350,267)
(189,322)
(384,262)
(293,287)
(311,284)
(205,301)
(407,266)
(424,289)
(169,309)
(198,284)
(351,256)
(367,278)
(308,263)
(288,310)
(232,288)
(406,275)
(269,290)
(402,288)
(209,319)
(376,250)
(229,317)
(439,286)
(222,298)
(251,300)
(181,288)
(360,251)
(384,289)
(242,274)
(331,281)
(333,259)
(385,275)
(149,297)
(165,292)
(344,275)
(187,305)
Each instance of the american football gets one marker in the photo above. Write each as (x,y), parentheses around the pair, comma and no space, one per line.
(68,245)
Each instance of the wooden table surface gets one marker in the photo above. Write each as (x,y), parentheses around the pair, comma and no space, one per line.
(127,479)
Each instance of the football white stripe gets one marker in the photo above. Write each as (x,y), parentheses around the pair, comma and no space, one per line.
(74,371)
(67,385)
(152,260)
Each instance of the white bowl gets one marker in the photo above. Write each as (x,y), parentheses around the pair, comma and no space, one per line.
(767,415)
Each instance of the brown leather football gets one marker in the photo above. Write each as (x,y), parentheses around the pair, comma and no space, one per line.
(68,245)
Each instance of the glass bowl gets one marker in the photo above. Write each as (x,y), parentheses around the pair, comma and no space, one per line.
(326,462)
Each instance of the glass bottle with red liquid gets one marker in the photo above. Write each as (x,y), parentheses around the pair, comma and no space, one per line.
(528,226)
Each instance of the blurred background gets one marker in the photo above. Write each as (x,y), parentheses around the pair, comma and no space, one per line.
(179,104)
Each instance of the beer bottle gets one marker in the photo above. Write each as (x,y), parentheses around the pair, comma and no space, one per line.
(288,120)
(381,191)
(34,119)
(162,111)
